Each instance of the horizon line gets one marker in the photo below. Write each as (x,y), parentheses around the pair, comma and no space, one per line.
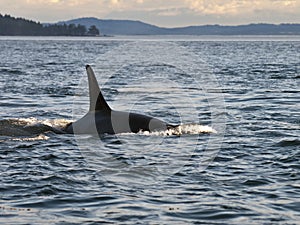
(211,24)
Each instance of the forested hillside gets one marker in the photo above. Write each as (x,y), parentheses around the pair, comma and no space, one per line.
(18,26)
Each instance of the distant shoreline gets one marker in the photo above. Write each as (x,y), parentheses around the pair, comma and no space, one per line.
(204,38)
(132,27)
(13,26)
(82,27)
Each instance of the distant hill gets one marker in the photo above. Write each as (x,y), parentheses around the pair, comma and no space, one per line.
(251,29)
(118,27)
(131,27)
(90,27)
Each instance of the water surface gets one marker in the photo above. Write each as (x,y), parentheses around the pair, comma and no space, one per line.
(247,173)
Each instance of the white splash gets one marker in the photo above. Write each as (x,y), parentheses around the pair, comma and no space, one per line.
(57,123)
(37,138)
(182,130)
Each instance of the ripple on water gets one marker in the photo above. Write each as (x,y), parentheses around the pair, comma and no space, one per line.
(150,178)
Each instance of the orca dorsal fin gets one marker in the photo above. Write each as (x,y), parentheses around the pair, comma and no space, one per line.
(97,101)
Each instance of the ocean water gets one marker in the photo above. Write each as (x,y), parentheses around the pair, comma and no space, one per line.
(234,160)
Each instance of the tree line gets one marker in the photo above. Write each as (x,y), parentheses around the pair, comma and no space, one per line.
(18,26)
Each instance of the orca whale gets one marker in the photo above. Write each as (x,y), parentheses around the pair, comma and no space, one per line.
(101,119)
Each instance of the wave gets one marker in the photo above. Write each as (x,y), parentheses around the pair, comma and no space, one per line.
(31,129)
(288,143)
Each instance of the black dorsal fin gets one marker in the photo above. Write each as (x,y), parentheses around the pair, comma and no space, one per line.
(97,101)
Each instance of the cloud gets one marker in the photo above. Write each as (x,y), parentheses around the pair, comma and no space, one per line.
(169,12)
(142,5)
(239,7)
(53,3)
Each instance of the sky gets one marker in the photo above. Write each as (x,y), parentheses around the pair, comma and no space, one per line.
(169,13)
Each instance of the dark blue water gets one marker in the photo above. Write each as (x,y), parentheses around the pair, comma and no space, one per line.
(246,89)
